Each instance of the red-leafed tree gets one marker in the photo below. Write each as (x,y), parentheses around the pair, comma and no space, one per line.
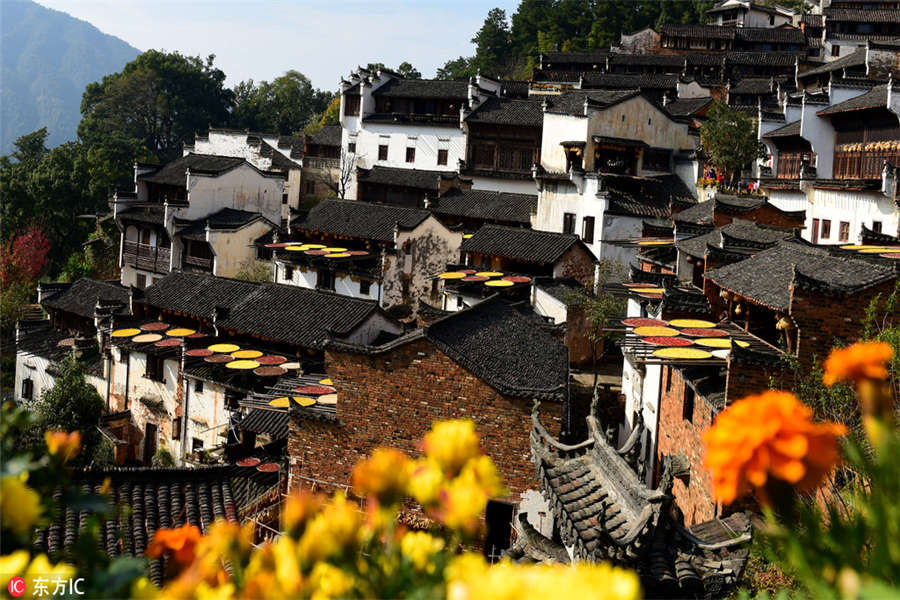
(23,258)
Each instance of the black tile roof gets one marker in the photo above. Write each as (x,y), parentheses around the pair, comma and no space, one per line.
(274,423)
(604,512)
(561,289)
(862,15)
(687,107)
(361,220)
(661,60)
(598,56)
(156,498)
(616,81)
(224,219)
(877,97)
(767,276)
(712,32)
(173,173)
(743,235)
(771,59)
(40,338)
(855,59)
(572,103)
(644,196)
(329,135)
(271,311)
(753,85)
(812,20)
(509,111)
(521,244)
(279,161)
(509,348)
(498,207)
(424,88)
(413,178)
(81,297)
(791,129)
(514,89)
(702,213)
(776,35)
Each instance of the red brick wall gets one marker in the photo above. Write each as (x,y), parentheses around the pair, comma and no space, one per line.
(677,435)
(392,399)
(763,215)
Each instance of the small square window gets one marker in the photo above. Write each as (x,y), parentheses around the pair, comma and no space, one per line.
(284,198)
(876,226)
(27,388)
(587,230)
(382,152)
(365,287)
(568,222)
(198,386)
(351,148)
(196,445)
(835,50)
(289,273)
(826,229)
(687,408)
(442,157)
(176,428)
(845,231)
(410,155)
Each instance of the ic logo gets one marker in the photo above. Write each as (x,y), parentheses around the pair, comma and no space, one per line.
(16,587)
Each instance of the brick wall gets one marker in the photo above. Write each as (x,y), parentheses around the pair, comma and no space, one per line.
(678,435)
(392,399)
(764,215)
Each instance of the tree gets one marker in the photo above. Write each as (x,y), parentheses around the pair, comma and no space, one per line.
(457,68)
(284,105)
(331,116)
(156,103)
(23,259)
(72,404)
(492,44)
(729,140)
(599,309)
(254,270)
(408,71)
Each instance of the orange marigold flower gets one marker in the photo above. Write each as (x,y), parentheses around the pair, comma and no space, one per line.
(863,360)
(299,509)
(181,542)
(65,445)
(451,444)
(770,434)
(384,475)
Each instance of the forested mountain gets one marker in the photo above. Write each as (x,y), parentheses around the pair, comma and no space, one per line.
(48,57)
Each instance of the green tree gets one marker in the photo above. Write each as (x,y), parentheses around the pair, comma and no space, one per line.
(156,103)
(285,105)
(729,140)
(408,71)
(331,116)
(492,44)
(457,68)
(73,404)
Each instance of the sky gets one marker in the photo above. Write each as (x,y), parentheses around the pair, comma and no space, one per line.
(261,39)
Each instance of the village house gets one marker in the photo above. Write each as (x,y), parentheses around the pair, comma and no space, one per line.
(385,253)
(322,176)
(849,24)
(488,363)
(265,151)
(470,209)
(835,154)
(221,203)
(610,159)
(746,13)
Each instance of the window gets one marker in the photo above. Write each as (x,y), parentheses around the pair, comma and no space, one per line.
(382,151)
(845,231)
(324,280)
(310,187)
(483,155)
(198,386)
(141,281)
(835,50)
(687,407)
(351,148)
(826,229)
(668,379)
(284,198)
(771,19)
(442,157)
(27,389)
(365,287)
(351,105)
(196,445)
(288,273)
(154,368)
(656,159)
(876,226)
(568,223)
(410,155)
(587,230)
(176,428)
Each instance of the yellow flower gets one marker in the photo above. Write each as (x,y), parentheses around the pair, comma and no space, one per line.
(770,434)
(41,567)
(299,508)
(462,503)
(220,592)
(287,571)
(327,581)
(452,444)
(384,475)
(863,360)
(64,445)
(20,506)
(143,589)
(426,481)
(420,547)
(483,471)
(14,564)
(335,529)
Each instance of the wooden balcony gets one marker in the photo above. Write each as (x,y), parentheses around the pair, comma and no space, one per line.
(146,257)
(790,163)
(320,162)
(863,164)
(197,263)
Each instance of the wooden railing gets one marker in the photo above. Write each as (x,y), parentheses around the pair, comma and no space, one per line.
(147,257)
(865,164)
(789,163)
(319,162)
(197,262)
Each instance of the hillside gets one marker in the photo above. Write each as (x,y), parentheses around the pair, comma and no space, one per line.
(48,57)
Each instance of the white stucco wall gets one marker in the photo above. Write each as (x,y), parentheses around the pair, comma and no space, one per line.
(511,186)
(231,249)
(855,207)
(242,188)
(344,284)
(547,306)
(207,415)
